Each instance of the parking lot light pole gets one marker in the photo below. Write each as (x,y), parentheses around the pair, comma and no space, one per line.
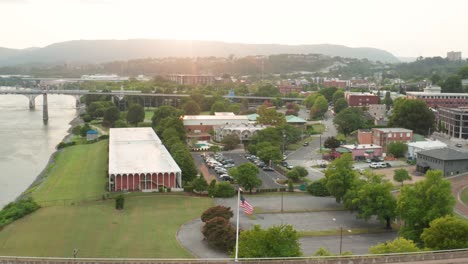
(341,235)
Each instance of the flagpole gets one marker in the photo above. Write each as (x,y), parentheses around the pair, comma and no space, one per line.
(237,225)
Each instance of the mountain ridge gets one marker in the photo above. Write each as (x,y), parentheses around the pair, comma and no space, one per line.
(99,51)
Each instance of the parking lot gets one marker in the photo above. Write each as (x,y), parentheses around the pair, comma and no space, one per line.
(268,178)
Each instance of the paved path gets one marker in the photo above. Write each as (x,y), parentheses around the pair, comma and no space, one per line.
(458,184)
(189,235)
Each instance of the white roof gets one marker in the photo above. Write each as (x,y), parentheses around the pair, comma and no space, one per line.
(394,130)
(362,146)
(428,144)
(215,117)
(138,150)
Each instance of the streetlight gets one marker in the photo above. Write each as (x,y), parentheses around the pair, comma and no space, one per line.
(341,234)
(284,141)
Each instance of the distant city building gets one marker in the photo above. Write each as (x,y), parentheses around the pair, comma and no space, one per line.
(361,99)
(434,98)
(454,121)
(336,83)
(384,136)
(104,77)
(242,131)
(415,147)
(378,113)
(192,79)
(449,161)
(454,56)
(200,126)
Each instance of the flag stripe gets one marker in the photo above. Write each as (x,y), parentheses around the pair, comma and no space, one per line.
(248,208)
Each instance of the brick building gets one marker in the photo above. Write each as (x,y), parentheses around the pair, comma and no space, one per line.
(454,121)
(336,83)
(200,126)
(192,79)
(361,99)
(434,98)
(384,136)
(365,136)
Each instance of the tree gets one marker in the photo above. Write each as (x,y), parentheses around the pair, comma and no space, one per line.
(219,233)
(319,108)
(230,142)
(331,143)
(446,233)
(136,114)
(349,120)
(463,72)
(388,101)
(218,106)
(412,114)
(452,85)
(120,123)
(398,245)
(318,188)
(119,202)
(401,175)
(111,115)
(340,105)
(191,108)
(435,79)
(200,184)
(276,241)
(340,176)
(184,159)
(246,176)
(224,190)
(328,93)
(310,100)
(297,173)
(163,112)
(269,116)
(339,94)
(266,151)
(427,200)
(397,149)
(372,197)
(217,211)
(267,90)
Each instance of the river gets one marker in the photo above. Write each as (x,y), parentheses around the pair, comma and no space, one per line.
(26,144)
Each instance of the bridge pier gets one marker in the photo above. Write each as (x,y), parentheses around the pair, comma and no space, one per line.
(77,100)
(32,101)
(45,109)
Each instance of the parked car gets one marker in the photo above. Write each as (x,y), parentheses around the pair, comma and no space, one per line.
(458,145)
(226,177)
(261,164)
(383,164)
(305,144)
(229,165)
(368,160)
(388,164)
(374,165)
(266,168)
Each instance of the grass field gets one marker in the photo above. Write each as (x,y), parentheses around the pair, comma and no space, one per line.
(79,173)
(146,228)
(148,115)
(464,196)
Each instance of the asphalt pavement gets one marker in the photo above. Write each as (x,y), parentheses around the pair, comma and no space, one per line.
(268,178)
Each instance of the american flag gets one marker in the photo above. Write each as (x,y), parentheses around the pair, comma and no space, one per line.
(248,208)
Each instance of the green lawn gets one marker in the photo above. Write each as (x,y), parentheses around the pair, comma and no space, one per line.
(464,196)
(146,228)
(79,173)
(148,115)
(318,128)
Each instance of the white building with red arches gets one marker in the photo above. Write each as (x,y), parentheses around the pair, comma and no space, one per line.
(138,161)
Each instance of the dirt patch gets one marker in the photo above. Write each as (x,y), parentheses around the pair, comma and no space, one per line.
(206,173)
(389,172)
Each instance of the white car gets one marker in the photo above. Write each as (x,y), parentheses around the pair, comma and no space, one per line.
(375,165)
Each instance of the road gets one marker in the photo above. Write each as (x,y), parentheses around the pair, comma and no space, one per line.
(268,177)
(310,155)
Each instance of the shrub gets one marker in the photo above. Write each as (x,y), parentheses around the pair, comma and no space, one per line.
(168,189)
(217,211)
(220,234)
(87,118)
(290,186)
(103,137)
(224,190)
(212,188)
(318,188)
(62,144)
(188,188)
(161,189)
(16,210)
(119,202)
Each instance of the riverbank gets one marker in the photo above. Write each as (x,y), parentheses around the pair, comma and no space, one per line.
(52,159)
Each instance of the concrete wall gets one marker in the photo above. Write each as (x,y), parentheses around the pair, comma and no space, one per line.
(455,256)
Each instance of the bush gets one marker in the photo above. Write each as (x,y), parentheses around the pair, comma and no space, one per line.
(217,211)
(224,190)
(188,188)
(62,144)
(168,189)
(87,118)
(318,188)
(160,189)
(103,137)
(16,210)
(220,234)
(119,202)
(212,188)
(290,186)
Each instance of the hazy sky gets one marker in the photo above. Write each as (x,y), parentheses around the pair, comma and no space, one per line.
(403,27)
